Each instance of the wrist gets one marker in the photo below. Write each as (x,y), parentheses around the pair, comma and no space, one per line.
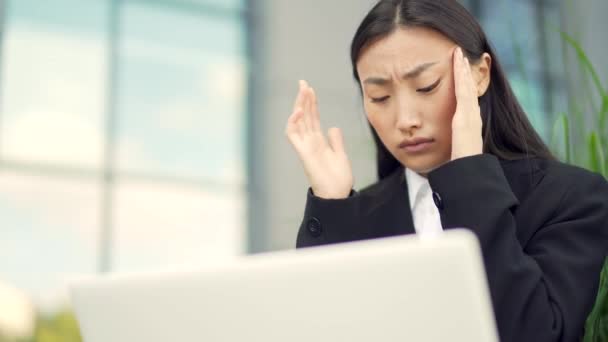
(331,195)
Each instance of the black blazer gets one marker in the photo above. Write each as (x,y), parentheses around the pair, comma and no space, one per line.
(542,225)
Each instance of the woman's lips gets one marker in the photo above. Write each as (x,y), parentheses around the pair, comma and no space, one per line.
(417,147)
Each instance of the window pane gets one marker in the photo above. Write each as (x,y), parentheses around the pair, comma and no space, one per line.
(511,24)
(181,94)
(228,4)
(53,79)
(554,42)
(161,226)
(530,94)
(49,233)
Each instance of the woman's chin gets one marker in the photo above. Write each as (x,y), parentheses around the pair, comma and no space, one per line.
(424,164)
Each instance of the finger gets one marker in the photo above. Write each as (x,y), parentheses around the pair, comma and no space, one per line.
(307,108)
(302,129)
(315,118)
(293,129)
(465,82)
(298,103)
(459,75)
(472,93)
(470,79)
(336,140)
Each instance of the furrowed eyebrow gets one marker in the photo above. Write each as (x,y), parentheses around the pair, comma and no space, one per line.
(418,70)
(407,75)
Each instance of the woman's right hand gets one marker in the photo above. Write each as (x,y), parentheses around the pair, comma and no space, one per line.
(325,162)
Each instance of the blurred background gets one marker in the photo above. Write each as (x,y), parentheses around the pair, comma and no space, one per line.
(140,135)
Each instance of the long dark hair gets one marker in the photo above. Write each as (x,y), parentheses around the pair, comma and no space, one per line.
(506,132)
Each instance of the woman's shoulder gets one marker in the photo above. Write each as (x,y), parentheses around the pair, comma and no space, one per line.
(569,182)
(570,174)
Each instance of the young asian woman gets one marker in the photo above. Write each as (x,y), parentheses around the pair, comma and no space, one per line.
(455,149)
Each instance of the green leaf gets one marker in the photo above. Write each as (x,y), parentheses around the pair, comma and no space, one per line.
(604,115)
(597,160)
(561,127)
(582,56)
(596,327)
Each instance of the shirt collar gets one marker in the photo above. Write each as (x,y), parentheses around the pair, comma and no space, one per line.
(415,183)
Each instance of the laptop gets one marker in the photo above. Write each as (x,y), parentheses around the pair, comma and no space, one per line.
(404,288)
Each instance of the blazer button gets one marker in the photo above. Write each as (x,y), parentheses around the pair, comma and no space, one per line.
(438,201)
(314,227)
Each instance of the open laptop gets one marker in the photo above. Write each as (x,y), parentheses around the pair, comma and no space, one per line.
(394,289)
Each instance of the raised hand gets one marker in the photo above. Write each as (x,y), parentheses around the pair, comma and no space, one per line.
(325,162)
(466,123)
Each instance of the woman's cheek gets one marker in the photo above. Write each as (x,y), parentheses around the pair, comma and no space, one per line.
(373,117)
(381,124)
(368,114)
(446,102)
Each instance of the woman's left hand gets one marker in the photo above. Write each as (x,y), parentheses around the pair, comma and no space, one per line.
(466,123)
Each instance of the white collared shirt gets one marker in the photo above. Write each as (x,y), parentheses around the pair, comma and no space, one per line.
(424,212)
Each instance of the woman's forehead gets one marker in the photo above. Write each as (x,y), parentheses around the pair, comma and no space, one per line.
(405,64)
(407,48)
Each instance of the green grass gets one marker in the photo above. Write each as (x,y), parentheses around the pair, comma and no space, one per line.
(588,150)
(589,146)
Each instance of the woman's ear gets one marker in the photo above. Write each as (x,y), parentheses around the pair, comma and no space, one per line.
(482,73)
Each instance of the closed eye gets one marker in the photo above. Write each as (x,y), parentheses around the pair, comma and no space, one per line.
(429,88)
(380,99)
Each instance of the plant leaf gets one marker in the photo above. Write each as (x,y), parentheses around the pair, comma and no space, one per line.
(595,327)
(585,61)
(603,115)
(563,148)
(597,160)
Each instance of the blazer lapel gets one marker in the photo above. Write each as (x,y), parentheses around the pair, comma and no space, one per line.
(523,175)
(392,206)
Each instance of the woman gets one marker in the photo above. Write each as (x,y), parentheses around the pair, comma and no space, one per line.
(455,149)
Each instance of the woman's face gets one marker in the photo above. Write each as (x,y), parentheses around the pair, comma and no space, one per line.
(408,89)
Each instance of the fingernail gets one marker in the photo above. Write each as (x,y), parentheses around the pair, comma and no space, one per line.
(301,83)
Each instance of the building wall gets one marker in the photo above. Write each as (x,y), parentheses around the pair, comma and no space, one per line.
(295,40)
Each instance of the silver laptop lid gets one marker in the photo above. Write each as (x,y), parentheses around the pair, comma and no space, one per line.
(394,289)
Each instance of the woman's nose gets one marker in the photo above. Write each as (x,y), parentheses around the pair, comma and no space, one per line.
(408,118)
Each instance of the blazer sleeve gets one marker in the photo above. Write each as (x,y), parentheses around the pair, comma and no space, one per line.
(329,221)
(542,291)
